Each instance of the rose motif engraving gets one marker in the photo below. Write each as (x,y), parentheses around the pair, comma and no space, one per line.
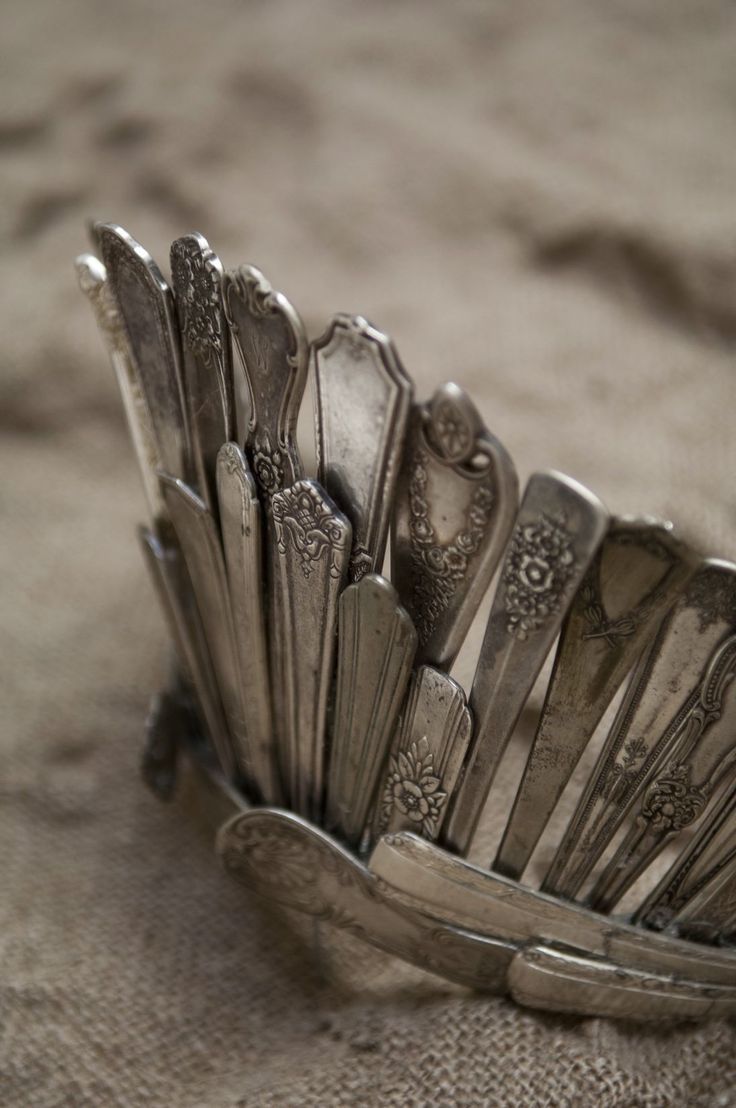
(437,568)
(538,568)
(199,302)
(304,521)
(268,468)
(413,789)
(672,803)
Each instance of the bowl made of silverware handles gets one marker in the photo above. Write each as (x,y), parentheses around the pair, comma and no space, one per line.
(311,704)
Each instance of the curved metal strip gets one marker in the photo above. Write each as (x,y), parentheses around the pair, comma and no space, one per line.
(542,977)
(284,858)
(419,875)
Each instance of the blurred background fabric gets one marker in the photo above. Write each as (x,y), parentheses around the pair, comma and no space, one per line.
(534,200)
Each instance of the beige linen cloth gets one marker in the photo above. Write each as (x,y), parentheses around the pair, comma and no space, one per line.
(535,200)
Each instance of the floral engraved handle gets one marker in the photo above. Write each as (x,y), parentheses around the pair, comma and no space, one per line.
(427,755)
(303,520)
(539,565)
(456,499)
(413,790)
(699,751)
(206,360)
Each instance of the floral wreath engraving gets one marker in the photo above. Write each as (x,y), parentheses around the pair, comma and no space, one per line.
(539,565)
(413,789)
(199,281)
(439,568)
(671,802)
(302,518)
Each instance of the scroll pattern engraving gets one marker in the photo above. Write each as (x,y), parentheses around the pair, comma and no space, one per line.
(302,518)
(672,802)
(539,565)
(274,361)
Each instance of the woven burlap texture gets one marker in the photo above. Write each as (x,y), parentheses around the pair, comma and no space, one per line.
(535,201)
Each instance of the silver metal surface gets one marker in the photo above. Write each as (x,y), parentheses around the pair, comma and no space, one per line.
(455,505)
(146,306)
(637,575)
(273,350)
(426,756)
(286,859)
(199,539)
(693,891)
(272,345)
(376,647)
(662,702)
(499,942)
(240,526)
(556,535)
(172,585)
(543,977)
(94,284)
(695,757)
(196,277)
(710,915)
(419,875)
(362,404)
(313,544)
(303,688)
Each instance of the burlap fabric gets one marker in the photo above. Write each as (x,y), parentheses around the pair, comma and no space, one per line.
(535,200)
